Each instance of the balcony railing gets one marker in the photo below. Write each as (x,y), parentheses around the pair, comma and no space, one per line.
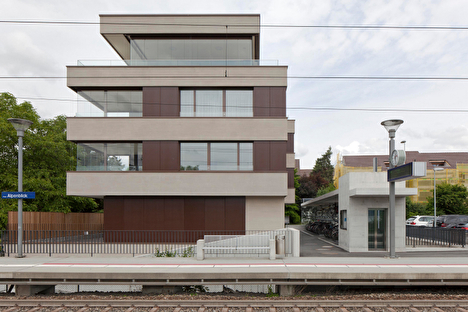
(178,63)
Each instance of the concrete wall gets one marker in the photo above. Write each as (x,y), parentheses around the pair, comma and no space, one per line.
(361,191)
(264,213)
(178,129)
(98,184)
(180,76)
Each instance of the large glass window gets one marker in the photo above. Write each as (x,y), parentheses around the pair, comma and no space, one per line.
(109,157)
(191,49)
(216,103)
(216,156)
(109,103)
(194,156)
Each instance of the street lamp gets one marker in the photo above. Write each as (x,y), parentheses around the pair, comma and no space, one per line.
(392,126)
(435,209)
(20,125)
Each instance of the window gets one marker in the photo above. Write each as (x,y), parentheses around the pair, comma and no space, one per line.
(191,49)
(109,157)
(216,156)
(344,219)
(216,103)
(104,103)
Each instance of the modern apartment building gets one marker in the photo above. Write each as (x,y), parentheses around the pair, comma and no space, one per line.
(188,131)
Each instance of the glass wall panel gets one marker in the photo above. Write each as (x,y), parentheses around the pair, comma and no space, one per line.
(239,103)
(209,103)
(193,156)
(223,156)
(90,157)
(217,156)
(104,103)
(124,157)
(187,103)
(191,49)
(246,156)
(216,103)
(109,157)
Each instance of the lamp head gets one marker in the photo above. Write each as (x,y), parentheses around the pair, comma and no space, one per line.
(20,125)
(391,126)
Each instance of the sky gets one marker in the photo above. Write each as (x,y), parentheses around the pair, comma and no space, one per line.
(344,114)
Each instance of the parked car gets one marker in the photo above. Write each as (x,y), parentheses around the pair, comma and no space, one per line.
(464,226)
(452,221)
(421,221)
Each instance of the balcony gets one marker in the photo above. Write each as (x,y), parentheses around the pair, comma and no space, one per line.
(219,62)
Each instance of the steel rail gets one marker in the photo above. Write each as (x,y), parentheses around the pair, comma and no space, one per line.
(117,303)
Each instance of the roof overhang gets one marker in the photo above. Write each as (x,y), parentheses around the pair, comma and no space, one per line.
(117,29)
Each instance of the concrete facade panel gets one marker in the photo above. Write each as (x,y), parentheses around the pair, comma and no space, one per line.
(264,213)
(290,160)
(82,77)
(178,129)
(99,184)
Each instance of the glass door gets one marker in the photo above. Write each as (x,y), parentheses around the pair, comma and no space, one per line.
(377,229)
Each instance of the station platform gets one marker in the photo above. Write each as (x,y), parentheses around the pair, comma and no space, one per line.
(330,266)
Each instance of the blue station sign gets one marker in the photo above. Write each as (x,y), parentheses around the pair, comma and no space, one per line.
(18,195)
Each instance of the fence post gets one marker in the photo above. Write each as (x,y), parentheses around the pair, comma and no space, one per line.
(50,245)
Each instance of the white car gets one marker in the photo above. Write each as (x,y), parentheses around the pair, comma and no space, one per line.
(421,221)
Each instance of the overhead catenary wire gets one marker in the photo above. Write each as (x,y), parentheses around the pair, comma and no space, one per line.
(315,108)
(84,23)
(245,77)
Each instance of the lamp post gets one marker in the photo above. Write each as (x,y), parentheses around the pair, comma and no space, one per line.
(391,126)
(20,125)
(435,200)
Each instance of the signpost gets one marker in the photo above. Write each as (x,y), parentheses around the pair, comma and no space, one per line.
(18,195)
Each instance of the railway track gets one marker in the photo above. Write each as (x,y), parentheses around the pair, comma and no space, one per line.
(45,305)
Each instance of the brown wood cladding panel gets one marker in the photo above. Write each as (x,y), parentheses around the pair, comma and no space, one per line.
(151,101)
(278,156)
(214,213)
(261,153)
(170,102)
(173,213)
(134,213)
(151,155)
(169,156)
(194,213)
(278,101)
(155,214)
(235,213)
(261,102)
(113,212)
(290,143)
(290,178)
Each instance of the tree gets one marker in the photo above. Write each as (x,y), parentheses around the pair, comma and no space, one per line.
(294,210)
(321,177)
(416,209)
(451,199)
(47,156)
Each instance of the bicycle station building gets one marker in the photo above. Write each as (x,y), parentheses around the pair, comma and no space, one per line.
(360,206)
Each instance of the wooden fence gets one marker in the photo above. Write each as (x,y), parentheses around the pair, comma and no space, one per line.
(56,221)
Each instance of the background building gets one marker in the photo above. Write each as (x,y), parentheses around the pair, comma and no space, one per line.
(188,131)
(455,165)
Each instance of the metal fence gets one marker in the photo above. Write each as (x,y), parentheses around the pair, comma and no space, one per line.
(158,243)
(438,236)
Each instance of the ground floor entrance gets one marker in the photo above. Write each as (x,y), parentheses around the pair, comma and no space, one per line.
(377,229)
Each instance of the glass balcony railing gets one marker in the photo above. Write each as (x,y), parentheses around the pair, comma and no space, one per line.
(178,63)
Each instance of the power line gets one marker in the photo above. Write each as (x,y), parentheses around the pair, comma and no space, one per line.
(255,77)
(394,27)
(317,108)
